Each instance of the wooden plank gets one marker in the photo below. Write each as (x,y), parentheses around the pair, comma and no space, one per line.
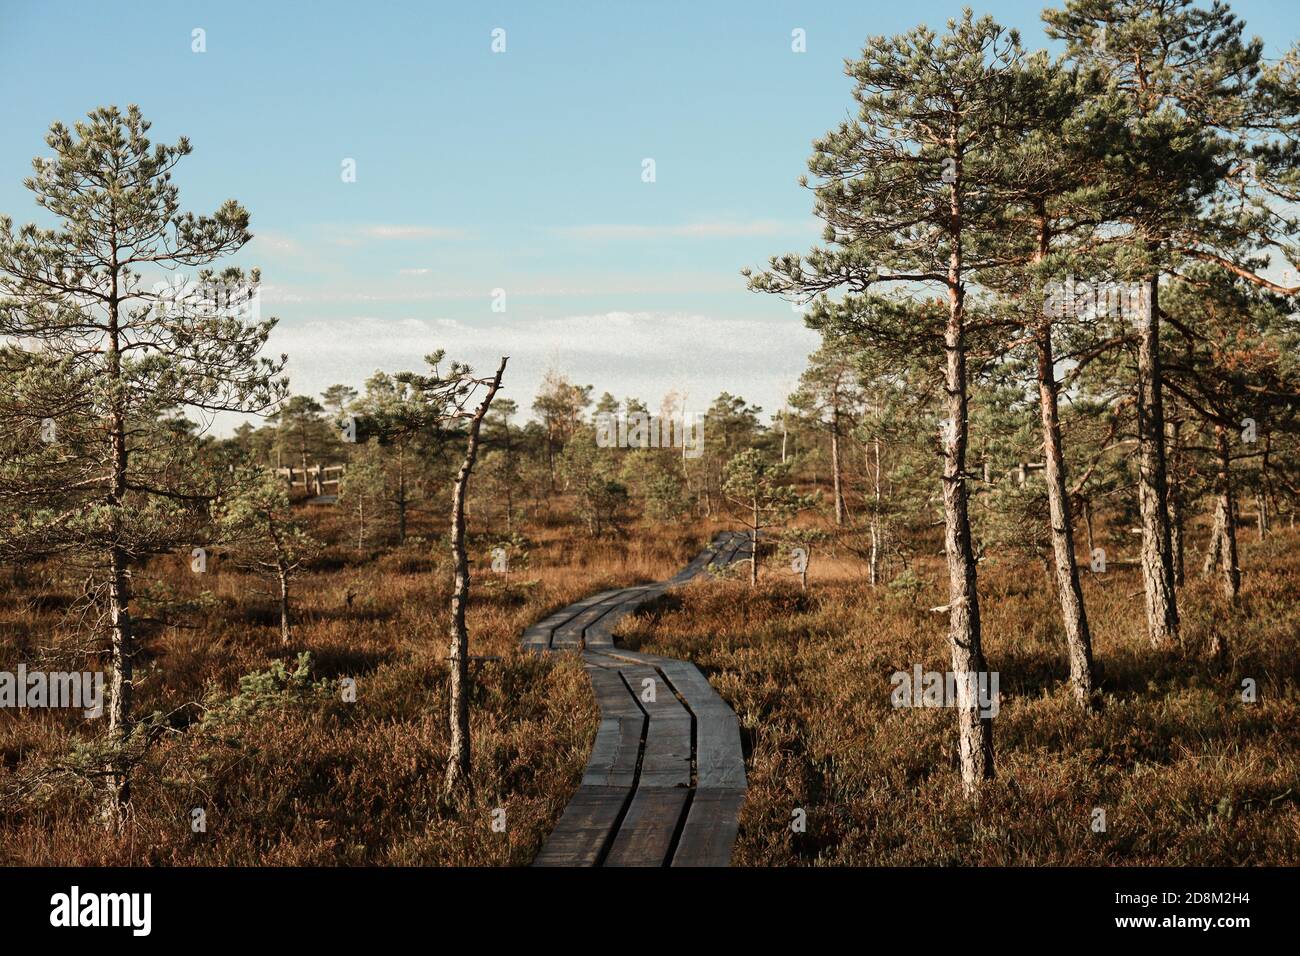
(700,561)
(645,836)
(737,548)
(569,634)
(621,656)
(585,827)
(540,633)
(689,682)
(719,757)
(711,827)
(612,695)
(601,632)
(666,757)
(594,658)
(617,747)
(614,753)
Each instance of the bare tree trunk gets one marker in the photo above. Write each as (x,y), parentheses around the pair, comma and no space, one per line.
(401,496)
(1176,537)
(875,551)
(1087,523)
(1214,547)
(785,426)
(974,732)
(753,548)
(550,456)
(1153,492)
(118,795)
(1078,640)
(283,576)
(875,518)
(1176,505)
(1265,486)
(458,760)
(837,481)
(1225,519)
(510,488)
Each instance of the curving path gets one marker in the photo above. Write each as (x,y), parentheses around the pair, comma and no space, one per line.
(666,777)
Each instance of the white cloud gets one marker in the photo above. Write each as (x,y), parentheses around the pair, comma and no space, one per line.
(645,354)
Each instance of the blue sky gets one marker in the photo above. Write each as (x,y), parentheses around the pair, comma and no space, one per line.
(478,171)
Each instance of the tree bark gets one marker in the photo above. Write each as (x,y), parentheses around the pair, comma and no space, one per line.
(1176,505)
(117,778)
(459,756)
(1153,493)
(1214,547)
(974,732)
(1087,522)
(1225,518)
(837,481)
(1176,537)
(118,796)
(283,576)
(875,518)
(401,496)
(1078,639)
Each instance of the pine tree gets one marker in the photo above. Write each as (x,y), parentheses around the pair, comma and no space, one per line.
(760,496)
(445,397)
(256,524)
(1051,171)
(99,358)
(827,392)
(1182,74)
(908,192)
(1235,362)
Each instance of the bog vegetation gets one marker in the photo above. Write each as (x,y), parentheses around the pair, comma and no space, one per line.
(1052,431)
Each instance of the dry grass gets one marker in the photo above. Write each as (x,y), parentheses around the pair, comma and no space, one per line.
(1186,772)
(307,778)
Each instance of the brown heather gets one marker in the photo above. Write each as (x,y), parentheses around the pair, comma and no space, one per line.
(320,782)
(1186,772)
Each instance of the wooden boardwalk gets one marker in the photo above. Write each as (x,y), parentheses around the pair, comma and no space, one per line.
(666,777)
